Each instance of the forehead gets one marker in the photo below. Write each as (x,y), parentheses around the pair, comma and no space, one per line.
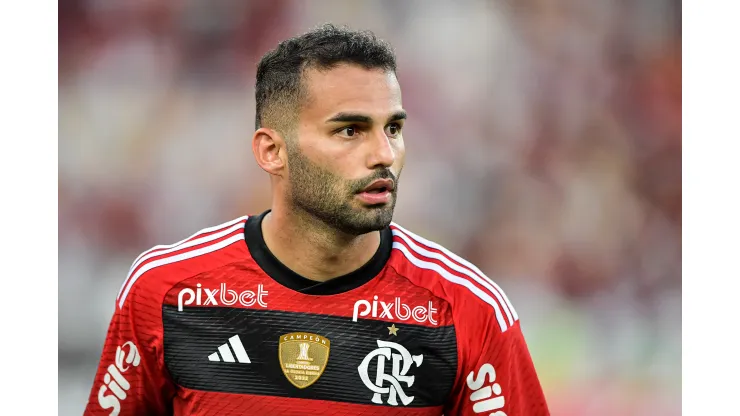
(350,88)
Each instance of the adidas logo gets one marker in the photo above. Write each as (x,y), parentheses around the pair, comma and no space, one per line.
(227,356)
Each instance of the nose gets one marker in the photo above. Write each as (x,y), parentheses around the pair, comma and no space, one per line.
(382,153)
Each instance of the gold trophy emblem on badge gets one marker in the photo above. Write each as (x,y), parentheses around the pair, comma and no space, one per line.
(303,357)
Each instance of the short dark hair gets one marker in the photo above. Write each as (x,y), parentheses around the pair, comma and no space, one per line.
(278,91)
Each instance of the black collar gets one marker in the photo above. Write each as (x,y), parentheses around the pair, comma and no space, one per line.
(287,277)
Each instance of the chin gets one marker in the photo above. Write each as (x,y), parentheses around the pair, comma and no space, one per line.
(361,229)
(376,218)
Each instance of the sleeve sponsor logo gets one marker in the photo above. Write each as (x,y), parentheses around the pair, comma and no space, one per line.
(394,310)
(220,297)
(113,391)
(486,395)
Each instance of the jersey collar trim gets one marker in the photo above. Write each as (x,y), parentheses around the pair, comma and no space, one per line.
(287,277)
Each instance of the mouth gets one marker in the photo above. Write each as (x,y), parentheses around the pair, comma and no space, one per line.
(378,187)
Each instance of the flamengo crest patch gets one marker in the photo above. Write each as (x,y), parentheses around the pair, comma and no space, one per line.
(303,357)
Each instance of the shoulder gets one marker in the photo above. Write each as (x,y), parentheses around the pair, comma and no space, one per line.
(451,277)
(156,270)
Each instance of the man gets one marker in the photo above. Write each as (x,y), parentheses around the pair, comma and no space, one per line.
(320,305)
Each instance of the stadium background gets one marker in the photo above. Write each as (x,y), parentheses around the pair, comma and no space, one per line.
(544,145)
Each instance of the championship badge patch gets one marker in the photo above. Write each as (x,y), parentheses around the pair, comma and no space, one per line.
(303,357)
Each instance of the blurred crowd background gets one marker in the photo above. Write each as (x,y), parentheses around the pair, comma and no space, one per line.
(544,145)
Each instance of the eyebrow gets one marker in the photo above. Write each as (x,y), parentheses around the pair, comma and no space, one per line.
(361,118)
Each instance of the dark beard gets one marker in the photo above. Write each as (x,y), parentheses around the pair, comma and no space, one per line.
(328,197)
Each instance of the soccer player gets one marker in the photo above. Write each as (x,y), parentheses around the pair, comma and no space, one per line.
(320,305)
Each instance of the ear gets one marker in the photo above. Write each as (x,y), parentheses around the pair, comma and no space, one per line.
(269,150)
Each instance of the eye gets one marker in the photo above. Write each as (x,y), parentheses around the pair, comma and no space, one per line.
(348,131)
(393,129)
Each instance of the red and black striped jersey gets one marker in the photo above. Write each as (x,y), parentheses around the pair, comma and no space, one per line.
(216,325)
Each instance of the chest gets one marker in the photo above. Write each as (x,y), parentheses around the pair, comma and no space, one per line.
(366,352)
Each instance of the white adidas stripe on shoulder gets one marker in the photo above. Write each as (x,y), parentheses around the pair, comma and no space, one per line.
(179,257)
(131,279)
(477,274)
(433,255)
(150,253)
(482,280)
(203,231)
(454,279)
(190,242)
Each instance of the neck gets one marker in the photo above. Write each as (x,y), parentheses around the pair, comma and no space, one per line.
(314,250)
